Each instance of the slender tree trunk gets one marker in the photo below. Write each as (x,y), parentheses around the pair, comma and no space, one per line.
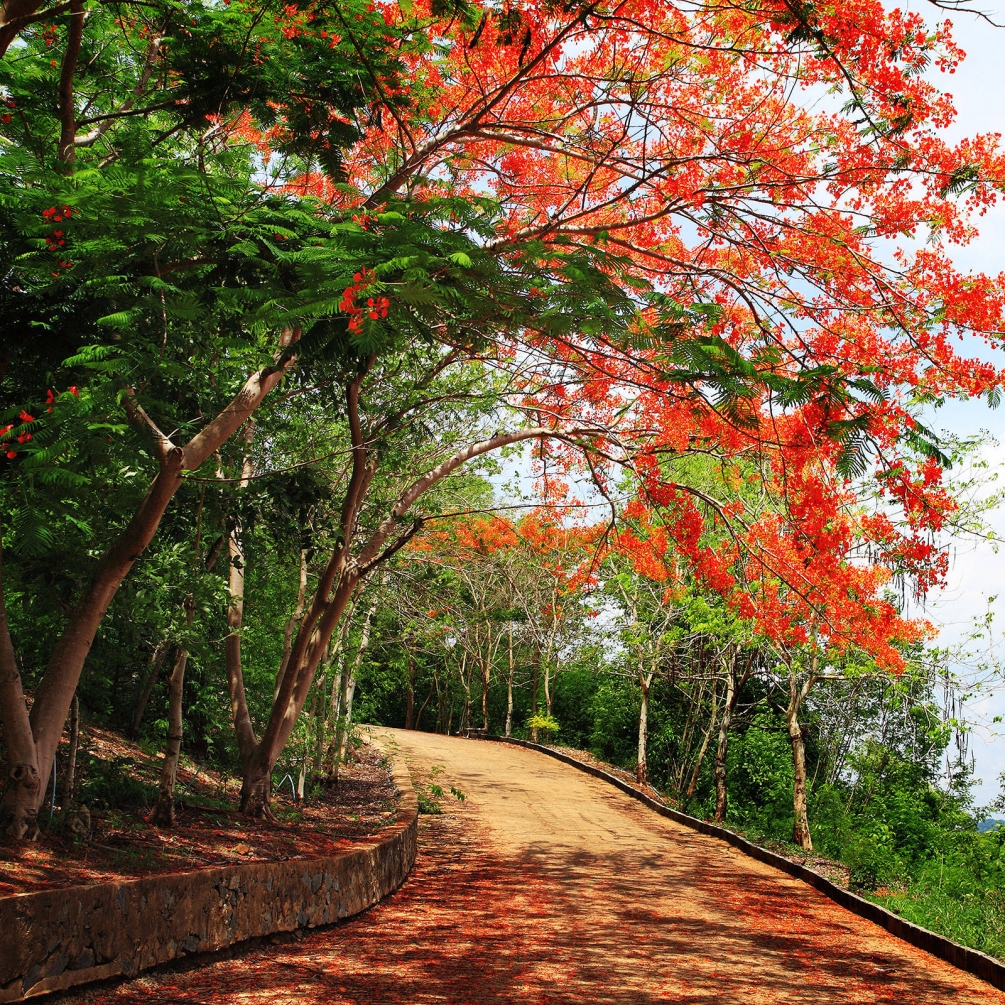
(509,686)
(159,654)
(800,814)
(302,776)
(642,764)
(319,726)
(337,707)
(347,688)
(71,758)
(240,716)
(439,702)
(466,684)
(533,697)
(410,696)
(291,625)
(486,673)
(693,784)
(733,688)
(350,694)
(164,815)
(422,708)
(720,755)
(801,824)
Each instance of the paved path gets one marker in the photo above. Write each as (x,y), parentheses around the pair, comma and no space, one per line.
(548,886)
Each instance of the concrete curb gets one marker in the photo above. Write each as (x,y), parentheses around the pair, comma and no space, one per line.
(54,939)
(979,964)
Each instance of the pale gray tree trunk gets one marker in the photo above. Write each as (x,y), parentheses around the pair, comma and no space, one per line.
(509,686)
(71,758)
(164,815)
(642,764)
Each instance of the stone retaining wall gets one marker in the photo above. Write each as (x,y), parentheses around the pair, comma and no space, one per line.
(55,939)
(979,964)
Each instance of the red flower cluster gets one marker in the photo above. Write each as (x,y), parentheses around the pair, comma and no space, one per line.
(26,417)
(5,116)
(22,437)
(57,239)
(376,307)
(57,214)
(50,398)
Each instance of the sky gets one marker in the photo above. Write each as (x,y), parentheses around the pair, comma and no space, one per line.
(978,568)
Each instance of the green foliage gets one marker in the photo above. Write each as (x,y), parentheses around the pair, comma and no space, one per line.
(112,785)
(547,724)
(428,803)
(430,794)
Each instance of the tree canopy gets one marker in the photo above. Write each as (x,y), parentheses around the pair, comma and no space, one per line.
(296,274)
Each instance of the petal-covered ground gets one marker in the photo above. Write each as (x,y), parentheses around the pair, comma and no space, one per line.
(545,886)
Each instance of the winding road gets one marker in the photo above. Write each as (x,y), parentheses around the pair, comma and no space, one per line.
(545,885)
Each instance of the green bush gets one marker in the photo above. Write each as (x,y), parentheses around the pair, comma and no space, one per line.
(109,785)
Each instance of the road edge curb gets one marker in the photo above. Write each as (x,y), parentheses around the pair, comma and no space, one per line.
(978,964)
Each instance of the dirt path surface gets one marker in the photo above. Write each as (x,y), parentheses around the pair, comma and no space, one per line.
(545,886)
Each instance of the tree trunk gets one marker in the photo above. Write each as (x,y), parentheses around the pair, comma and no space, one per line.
(347,689)
(256,793)
(66,152)
(533,697)
(486,673)
(291,625)
(302,776)
(159,654)
(693,784)
(319,725)
(71,758)
(350,694)
(440,701)
(422,708)
(335,702)
(509,686)
(801,824)
(410,697)
(163,815)
(642,765)
(240,716)
(22,792)
(800,815)
(733,688)
(723,748)
(466,684)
